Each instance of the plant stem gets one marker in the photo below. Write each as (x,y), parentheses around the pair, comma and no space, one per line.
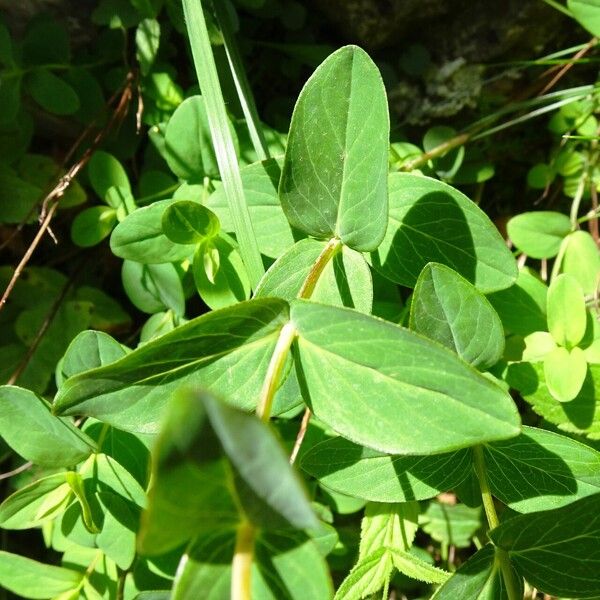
(457,140)
(331,249)
(512,586)
(206,71)
(241,573)
(274,370)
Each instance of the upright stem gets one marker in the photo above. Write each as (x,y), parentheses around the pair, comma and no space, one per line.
(206,71)
(241,571)
(512,586)
(274,370)
(244,543)
(333,246)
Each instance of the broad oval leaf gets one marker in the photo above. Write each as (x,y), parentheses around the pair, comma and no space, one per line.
(587,12)
(140,237)
(565,372)
(105,172)
(522,306)
(32,579)
(51,92)
(446,308)
(230,283)
(36,502)
(479,578)
(92,225)
(89,349)
(188,146)
(364,473)
(582,260)
(540,470)
(557,551)
(581,415)
(333,181)
(152,288)
(567,317)
(187,222)
(287,565)
(390,389)
(345,281)
(225,351)
(269,491)
(539,234)
(28,426)
(431,221)
(260,181)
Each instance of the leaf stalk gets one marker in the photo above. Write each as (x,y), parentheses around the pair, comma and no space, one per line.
(512,586)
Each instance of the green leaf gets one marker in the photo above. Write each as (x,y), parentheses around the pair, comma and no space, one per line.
(587,13)
(582,260)
(46,42)
(28,426)
(116,14)
(92,225)
(358,471)
(430,221)
(567,317)
(153,288)
(10,98)
(23,194)
(556,551)
(36,502)
(565,371)
(140,237)
(446,308)
(31,579)
(447,165)
(230,283)
(539,234)
(270,492)
(187,222)
(479,578)
(333,182)
(121,523)
(345,281)
(451,524)
(105,171)
(188,145)
(287,565)
(522,307)
(147,41)
(422,399)
(539,177)
(260,181)
(366,577)
(540,470)
(225,351)
(51,92)
(581,415)
(393,526)
(415,568)
(198,431)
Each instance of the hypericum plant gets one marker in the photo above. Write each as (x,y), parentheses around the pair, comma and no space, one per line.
(161,470)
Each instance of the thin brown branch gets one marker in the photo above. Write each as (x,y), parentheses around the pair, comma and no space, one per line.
(23,263)
(562,70)
(24,467)
(300,436)
(50,202)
